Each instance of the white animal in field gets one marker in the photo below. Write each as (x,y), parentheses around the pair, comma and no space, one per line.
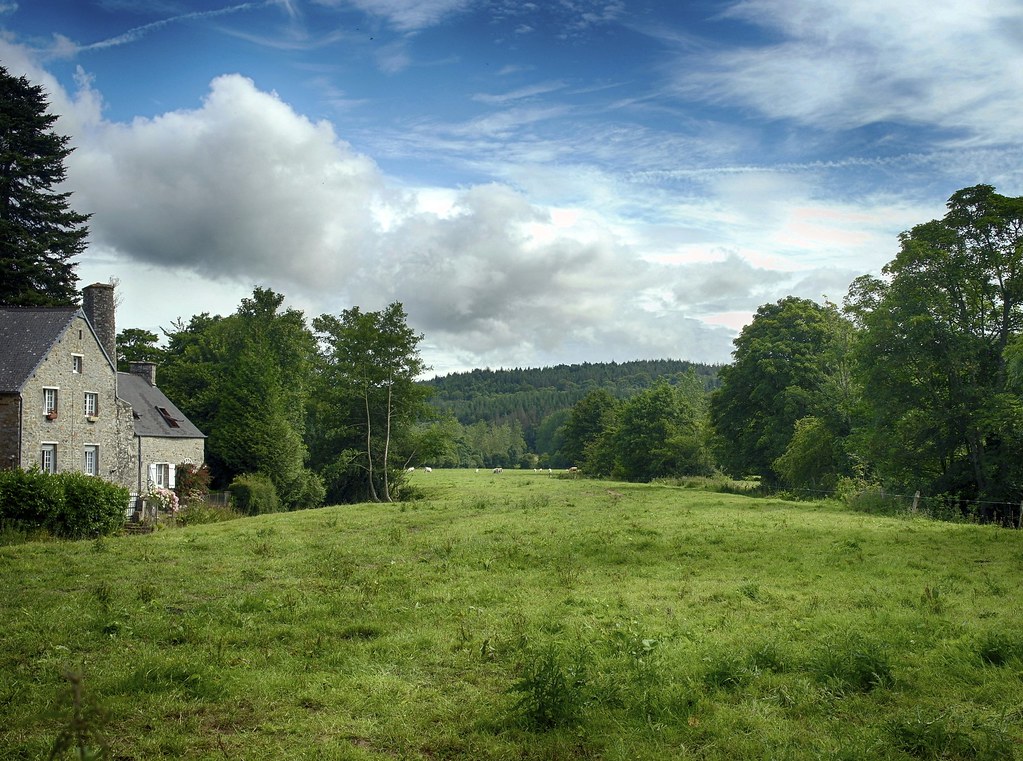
(428,469)
(409,470)
(499,470)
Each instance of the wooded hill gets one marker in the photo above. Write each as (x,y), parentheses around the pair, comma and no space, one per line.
(529,396)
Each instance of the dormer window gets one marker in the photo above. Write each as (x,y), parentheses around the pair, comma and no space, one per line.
(76,363)
(167,417)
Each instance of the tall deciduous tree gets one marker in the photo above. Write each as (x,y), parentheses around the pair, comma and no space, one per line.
(368,387)
(39,232)
(662,431)
(137,345)
(591,417)
(938,328)
(783,370)
(245,380)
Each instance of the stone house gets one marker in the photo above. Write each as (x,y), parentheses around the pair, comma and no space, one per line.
(64,407)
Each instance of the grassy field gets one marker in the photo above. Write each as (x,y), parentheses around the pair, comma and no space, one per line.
(518,616)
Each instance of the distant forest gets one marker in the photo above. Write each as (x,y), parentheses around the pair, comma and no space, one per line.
(537,400)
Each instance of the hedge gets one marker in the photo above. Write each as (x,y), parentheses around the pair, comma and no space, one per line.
(67,505)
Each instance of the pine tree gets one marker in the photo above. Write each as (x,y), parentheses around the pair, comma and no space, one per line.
(39,233)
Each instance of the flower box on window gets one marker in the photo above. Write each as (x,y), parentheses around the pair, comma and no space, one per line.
(91,418)
(51,415)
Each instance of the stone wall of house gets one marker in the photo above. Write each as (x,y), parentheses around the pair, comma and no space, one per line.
(71,430)
(175,451)
(10,424)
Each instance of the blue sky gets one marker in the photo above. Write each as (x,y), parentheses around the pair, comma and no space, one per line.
(537,182)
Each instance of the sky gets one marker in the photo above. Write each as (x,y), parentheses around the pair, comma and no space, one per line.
(538,183)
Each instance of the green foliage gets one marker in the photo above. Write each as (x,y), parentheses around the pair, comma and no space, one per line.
(29,497)
(245,380)
(553,688)
(137,345)
(305,491)
(254,494)
(591,417)
(662,432)
(813,459)
(788,365)
(368,400)
(67,505)
(197,513)
(39,233)
(537,399)
(937,354)
(82,730)
(91,507)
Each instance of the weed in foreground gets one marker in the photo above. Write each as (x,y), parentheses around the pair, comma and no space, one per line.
(852,665)
(81,732)
(944,737)
(552,689)
(997,648)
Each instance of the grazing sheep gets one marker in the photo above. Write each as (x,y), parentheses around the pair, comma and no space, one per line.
(428,469)
(409,470)
(499,470)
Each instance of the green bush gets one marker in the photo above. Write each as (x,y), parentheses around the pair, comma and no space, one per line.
(306,490)
(27,497)
(92,507)
(68,505)
(193,482)
(254,494)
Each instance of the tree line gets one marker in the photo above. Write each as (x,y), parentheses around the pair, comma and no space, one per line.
(914,383)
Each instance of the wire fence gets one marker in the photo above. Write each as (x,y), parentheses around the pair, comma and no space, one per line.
(942,507)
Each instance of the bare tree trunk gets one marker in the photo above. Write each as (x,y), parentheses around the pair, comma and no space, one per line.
(369,450)
(387,443)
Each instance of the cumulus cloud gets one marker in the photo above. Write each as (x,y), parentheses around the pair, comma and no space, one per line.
(242,184)
(243,190)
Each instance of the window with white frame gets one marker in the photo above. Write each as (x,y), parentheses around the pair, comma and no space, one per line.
(76,363)
(90,462)
(91,403)
(48,458)
(49,401)
(162,475)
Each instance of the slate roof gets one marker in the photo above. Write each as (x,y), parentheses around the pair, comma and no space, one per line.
(146,401)
(26,336)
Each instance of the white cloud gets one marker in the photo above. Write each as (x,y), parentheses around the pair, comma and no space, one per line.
(843,65)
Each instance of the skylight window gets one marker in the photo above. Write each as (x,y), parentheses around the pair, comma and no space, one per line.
(168,418)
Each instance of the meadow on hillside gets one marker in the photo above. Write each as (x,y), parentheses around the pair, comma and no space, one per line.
(521,616)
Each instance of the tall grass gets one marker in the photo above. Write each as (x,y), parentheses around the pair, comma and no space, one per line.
(515,616)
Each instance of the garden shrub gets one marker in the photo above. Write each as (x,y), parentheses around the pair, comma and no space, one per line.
(306,490)
(192,482)
(254,494)
(28,496)
(92,507)
(68,505)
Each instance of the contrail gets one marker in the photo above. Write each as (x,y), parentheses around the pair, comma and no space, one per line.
(132,35)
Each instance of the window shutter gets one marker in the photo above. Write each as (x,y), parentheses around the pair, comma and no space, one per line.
(152,474)
(170,477)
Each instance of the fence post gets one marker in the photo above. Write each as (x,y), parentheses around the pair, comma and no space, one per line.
(1019,521)
(916,500)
